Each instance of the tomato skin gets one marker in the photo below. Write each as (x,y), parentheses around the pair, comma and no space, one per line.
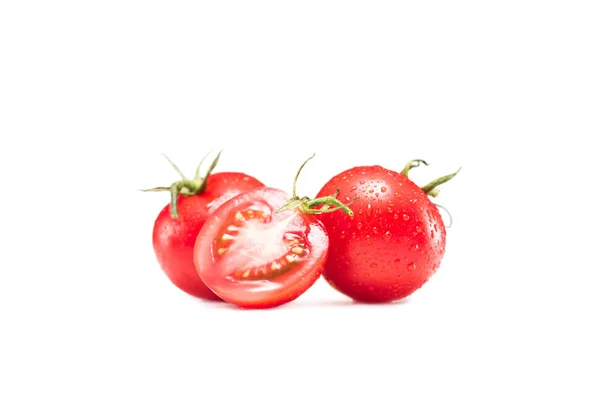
(393,244)
(254,245)
(174,239)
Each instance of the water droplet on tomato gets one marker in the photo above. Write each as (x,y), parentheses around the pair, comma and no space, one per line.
(387,236)
(435,227)
(369,240)
(395,216)
(390,210)
(367,275)
(353,189)
(411,267)
(418,229)
(383,189)
(362,182)
(373,265)
(369,209)
(374,230)
(405,217)
(397,263)
(371,190)
(414,247)
(397,194)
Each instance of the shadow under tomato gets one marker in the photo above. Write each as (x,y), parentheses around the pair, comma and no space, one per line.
(315,303)
(302,304)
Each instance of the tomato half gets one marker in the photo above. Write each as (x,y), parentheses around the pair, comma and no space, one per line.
(254,257)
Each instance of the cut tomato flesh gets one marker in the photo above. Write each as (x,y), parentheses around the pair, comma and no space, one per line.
(260,248)
(294,256)
(248,252)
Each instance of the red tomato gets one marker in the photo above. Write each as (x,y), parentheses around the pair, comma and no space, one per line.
(254,257)
(176,229)
(394,242)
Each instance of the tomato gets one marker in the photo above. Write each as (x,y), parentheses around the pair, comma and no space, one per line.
(253,256)
(394,242)
(178,224)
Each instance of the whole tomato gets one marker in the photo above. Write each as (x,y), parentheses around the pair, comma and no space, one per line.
(394,242)
(178,224)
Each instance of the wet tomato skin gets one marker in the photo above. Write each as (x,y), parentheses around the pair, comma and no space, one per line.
(394,242)
(173,239)
(253,257)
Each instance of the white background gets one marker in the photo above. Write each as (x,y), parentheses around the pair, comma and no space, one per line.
(92,92)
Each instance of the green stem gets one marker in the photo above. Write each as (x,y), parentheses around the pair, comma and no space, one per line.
(197,174)
(298,174)
(186,187)
(306,204)
(174,196)
(175,167)
(412,164)
(328,201)
(431,187)
(202,186)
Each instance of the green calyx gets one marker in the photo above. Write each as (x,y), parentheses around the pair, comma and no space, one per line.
(186,187)
(431,188)
(306,204)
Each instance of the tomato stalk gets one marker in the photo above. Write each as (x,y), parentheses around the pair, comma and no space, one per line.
(306,204)
(431,187)
(185,186)
(412,164)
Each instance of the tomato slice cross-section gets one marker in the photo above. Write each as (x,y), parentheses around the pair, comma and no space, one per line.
(252,256)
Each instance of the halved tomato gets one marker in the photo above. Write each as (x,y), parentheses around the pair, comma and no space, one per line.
(255,257)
